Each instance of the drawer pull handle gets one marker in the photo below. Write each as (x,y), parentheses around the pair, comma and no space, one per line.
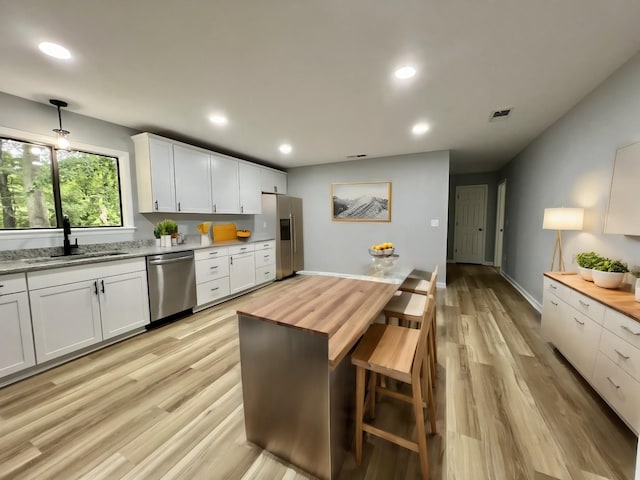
(584,304)
(554,303)
(624,327)
(626,357)
(214,289)
(553,286)
(243,248)
(266,256)
(612,382)
(578,321)
(214,267)
(213,253)
(1,285)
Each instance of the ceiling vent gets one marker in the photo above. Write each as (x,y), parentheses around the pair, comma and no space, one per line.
(360,155)
(501,114)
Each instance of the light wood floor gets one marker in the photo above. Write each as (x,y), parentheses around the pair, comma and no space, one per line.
(168,404)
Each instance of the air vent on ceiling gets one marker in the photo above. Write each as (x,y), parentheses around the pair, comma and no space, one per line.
(501,114)
(360,155)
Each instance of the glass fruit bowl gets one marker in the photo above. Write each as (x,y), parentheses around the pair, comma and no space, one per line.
(387,252)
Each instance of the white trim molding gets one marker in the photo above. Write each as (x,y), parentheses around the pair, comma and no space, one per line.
(527,296)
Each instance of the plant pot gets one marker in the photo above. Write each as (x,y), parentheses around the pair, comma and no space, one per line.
(586,273)
(165,240)
(607,279)
(637,289)
(158,242)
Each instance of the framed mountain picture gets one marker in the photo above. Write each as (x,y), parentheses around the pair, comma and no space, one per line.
(361,202)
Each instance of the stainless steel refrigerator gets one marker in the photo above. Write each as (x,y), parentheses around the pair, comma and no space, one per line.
(281,219)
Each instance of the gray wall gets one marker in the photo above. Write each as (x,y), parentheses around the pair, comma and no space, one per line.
(571,165)
(419,193)
(489,179)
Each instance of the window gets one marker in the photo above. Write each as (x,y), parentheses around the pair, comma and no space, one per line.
(38,185)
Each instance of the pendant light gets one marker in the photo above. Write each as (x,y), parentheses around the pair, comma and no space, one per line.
(62,142)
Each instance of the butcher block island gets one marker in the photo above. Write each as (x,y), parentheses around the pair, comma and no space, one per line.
(297,379)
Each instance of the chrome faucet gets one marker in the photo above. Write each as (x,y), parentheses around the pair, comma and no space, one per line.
(66,228)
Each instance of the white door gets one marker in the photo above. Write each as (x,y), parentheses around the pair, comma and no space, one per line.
(65,319)
(469,232)
(162,175)
(16,338)
(242,271)
(224,185)
(502,197)
(124,303)
(250,190)
(193,184)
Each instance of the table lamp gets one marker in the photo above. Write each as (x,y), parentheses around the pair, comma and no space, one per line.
(559,219)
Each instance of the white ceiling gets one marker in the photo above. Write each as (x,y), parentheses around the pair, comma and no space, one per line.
(319,74)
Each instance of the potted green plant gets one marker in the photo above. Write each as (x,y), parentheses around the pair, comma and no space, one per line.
(586,261)
(157,235)
(609,273)
(167,228)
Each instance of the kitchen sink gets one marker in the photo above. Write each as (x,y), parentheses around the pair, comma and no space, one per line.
(72,257)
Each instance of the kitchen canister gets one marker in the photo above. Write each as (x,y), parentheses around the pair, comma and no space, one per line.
(165,241)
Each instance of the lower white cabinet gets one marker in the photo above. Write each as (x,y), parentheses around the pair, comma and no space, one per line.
(212,274)
(601,343)
(16,337)
(76,307)
(242,270)
(265,256)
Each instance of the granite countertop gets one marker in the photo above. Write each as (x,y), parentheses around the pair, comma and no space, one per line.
(18,261)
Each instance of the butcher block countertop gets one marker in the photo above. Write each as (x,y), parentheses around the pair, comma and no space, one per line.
(621,299)
(338,308)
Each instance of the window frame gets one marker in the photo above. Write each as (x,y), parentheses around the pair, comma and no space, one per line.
(126,194)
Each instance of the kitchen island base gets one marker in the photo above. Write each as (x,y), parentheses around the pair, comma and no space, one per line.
(296,406)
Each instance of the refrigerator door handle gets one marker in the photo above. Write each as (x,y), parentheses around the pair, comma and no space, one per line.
(293,233)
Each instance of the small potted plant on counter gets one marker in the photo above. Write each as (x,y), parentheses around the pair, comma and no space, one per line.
(157,235)
(167,229)
(586,261)
(609,273)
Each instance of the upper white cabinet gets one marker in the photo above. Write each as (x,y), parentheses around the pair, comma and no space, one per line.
(155,174)
(16,337)
(250,192)
(176,177)
(273,181)
(192,173)
(623,215)
(225,194)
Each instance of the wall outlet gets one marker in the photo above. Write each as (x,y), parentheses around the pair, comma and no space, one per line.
(435,222)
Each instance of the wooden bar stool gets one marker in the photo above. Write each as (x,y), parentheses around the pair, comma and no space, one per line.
(419,281)
(406,306)
(398,353)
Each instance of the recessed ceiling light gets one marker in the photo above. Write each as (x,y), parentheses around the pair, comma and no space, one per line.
(285,148)
(405,72)
(55,50)
(220,120)
(420,128)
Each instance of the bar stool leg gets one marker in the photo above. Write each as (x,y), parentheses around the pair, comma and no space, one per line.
(420,431)
(373,383)
(360,373)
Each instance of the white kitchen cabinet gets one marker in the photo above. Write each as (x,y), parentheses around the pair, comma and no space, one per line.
(124,304)
(600,342)
(225,193)
(65,318)
(242,271)
(16,337)
(192,178)
(250,191)
(75,307)
(155,174)
(212,274)
(265,257)
(273,181)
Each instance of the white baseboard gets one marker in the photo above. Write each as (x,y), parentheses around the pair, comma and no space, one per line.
(527,296)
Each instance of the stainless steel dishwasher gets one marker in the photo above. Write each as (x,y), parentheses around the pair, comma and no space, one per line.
(172,283)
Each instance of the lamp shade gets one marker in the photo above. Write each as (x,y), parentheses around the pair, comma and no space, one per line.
(563,218)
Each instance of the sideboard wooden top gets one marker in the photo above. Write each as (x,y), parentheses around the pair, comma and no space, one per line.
(338,308)
(621,300)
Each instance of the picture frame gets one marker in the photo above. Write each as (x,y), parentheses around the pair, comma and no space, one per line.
(361,202)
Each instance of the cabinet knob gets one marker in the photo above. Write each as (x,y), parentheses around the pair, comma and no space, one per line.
(214,208)
(275,188)
(241,208)
(156,203)
(178,206)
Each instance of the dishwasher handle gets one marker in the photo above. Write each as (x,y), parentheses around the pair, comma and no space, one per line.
(170,260)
